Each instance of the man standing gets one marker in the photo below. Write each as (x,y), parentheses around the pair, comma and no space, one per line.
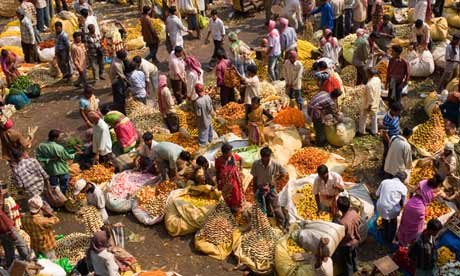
(348,16)
(204,112)
(217,29)
(11,240)
(39,225)
(326,188)
(28,174)
(397,75)
(288,37)
(78,54)
(392,196)
(327,15)
(151,77)
(390,128)
(62,47)
(149,34)
(363,54)
(89,20)
(102,142)
(94,197)
(423,251)
(30,11)
(293,70)
(267,175)
(321,108)
(177,74)
(371,103)
(174,28)
(452,57)
(42,15)
(119,80)
(338,7)
(54,158)
(399,157)
(273,50)
(347,247)
(28,41)
(95,53)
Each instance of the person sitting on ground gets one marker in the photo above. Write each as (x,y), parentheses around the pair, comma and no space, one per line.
(166,155)
(8,61)
(347,248)
(423,251)
(399,157)
(94,196)
(125,131)
(28,174)
(55,158)
(101,260)
(39,224)
(185,175)
(326,189)
(255,119)
(392,195)
(204,175)
(12,139)
(167,105)
(330,46)
(146,150)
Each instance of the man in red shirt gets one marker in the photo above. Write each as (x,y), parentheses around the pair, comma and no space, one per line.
(397,75)
(10,240)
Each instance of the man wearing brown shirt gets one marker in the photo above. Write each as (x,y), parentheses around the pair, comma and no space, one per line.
(150,34)
(347,248)
(78,53)
(397,75)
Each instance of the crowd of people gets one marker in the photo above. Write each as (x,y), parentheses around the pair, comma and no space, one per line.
(139,79)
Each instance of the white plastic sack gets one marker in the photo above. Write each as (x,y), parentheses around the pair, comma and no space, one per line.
(439,54)
(144,217)
(312,232)
(421,65)
(46,55)
(362,193)
(50,268)
(10,41)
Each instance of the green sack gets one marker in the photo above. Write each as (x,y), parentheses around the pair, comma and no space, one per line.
(65,264)
(33,91)
(203,21)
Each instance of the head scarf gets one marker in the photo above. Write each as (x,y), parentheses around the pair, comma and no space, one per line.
(99,242)
(284,23)
(233,36)
(199,87)
(35,204)
(292,54)
(450,147)
(194,64)
(331,39)
(162,83)
(272,31)
(360,32)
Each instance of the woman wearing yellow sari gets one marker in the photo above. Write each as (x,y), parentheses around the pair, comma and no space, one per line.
(256,122)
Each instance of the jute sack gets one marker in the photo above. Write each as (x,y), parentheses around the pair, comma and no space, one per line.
(8,8)
(285,265)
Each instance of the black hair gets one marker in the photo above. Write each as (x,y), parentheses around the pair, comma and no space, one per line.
(456,37)
(185,155)
(226,148)
(386,17)
(76,34)
(131,67)
(407,132)
(265,151)
(321,65)
(401,176)
(137,59)
(121,54)
(58,24)
(147,136)
(343,204)
(436,181)
(201,160)
(396,106)
(172,10)
(322,169)
(372,71)
(106,108)
(255,99)
(146,10)
(54,134)
(178,49)
(17,153)
(252,68)
(434,224)
(221,54)
(214,12)
(84,12)
(88,88)
(397,49)
(336,93)
(418,23)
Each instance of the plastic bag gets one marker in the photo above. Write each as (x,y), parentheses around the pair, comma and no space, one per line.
(421,65)
(46,55)
(341,134)
(203,21)
(65,264)
(19,100)
(311,233)
(50,268)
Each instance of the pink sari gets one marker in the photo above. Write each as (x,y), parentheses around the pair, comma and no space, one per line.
(126,134)
(413,217)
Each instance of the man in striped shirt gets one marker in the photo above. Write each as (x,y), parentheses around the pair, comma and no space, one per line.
(390,127)
(321,108)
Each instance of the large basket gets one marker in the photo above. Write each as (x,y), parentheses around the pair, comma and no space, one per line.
(8,8)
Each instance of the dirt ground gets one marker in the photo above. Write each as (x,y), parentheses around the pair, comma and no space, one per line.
(58,108)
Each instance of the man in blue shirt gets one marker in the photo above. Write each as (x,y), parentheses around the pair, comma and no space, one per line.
(327,15)
(390,127)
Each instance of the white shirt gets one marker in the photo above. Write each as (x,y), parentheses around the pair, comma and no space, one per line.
(390,193)
(92,20)
(252,89)
(399,157)
(147,151)
(174,27)
(192,79)
(149,69)
(102,143)
(372,94)
(293,74)
(451,57)
(97,199)
(217,29)
(104,263)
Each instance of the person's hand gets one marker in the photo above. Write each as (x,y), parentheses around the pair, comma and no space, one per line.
(31,131)
(297,257)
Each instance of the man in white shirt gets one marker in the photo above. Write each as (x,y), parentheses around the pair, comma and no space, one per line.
(452,57)
(217,29)
(371,102)
(176,65)
(326,188)
(174,27)
(293,70)
(392,194)
(421,34)
(151,77)
(94,196)
(146,150)
(399,157)
(89,20)
(102,142)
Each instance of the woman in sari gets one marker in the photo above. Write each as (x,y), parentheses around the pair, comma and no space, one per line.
(413,216)
(125,131)
(88,103)
(240,53)
(256,122)
(8,61)
(228,167)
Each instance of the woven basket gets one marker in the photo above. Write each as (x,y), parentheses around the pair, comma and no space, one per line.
(8,7)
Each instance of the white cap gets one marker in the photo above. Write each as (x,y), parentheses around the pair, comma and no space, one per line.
(79,185)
